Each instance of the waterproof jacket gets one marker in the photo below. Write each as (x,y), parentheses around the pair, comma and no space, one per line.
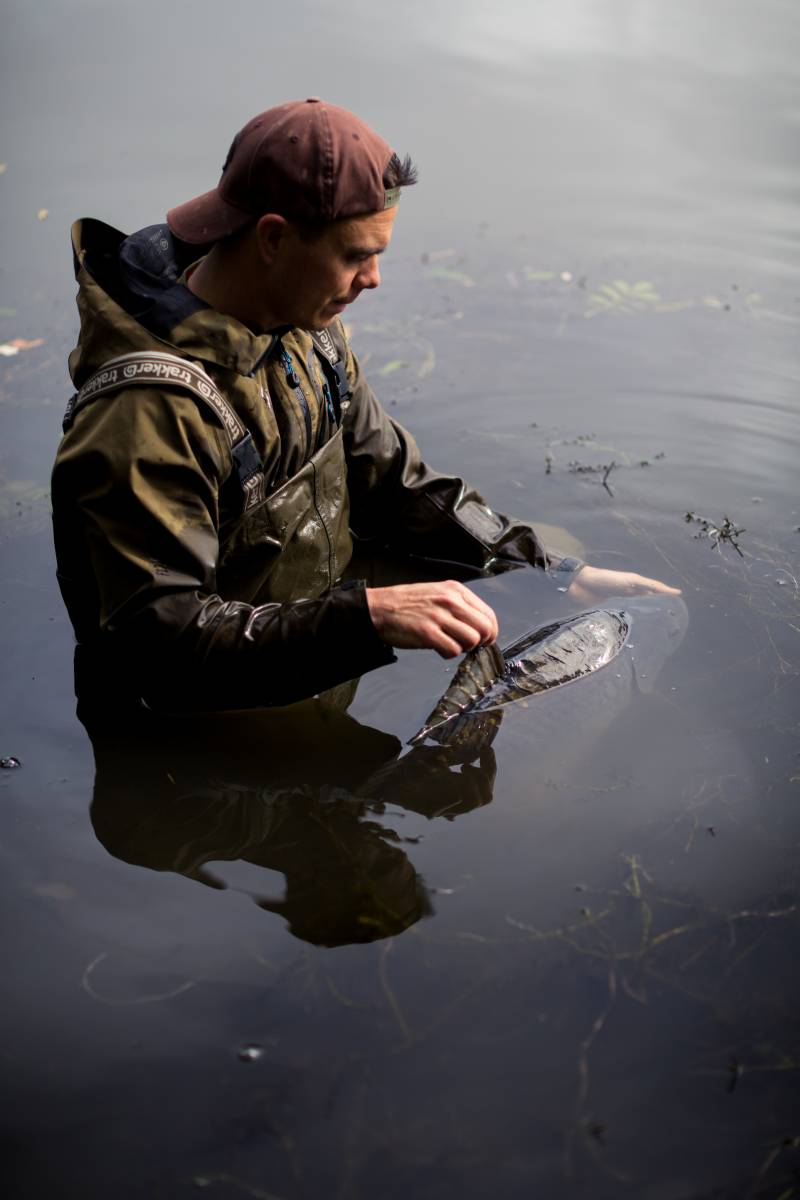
(179,590)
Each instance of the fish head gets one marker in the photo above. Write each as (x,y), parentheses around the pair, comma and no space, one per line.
(658,625)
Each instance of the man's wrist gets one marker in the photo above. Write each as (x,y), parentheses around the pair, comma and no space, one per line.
(565,566)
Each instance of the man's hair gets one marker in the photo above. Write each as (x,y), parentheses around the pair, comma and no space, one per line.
(400,172)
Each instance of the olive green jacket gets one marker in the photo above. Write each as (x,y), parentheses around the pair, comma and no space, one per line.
(178,595)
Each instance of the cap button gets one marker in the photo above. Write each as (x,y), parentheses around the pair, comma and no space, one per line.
(313,100)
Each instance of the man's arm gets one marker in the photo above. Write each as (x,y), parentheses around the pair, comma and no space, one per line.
(396,499)
(399,501)
(142,524)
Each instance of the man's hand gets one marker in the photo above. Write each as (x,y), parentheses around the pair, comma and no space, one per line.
(446,617)
(592,583)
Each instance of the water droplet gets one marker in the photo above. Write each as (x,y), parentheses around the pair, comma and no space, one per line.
(10,763)
(250,1052)
(562,589)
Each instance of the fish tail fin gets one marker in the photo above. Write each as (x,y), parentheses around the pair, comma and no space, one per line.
(477,671)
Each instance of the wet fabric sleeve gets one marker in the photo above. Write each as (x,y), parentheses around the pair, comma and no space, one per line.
(143,526)
(397,500)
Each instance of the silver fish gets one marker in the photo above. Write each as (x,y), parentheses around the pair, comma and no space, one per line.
(488,678)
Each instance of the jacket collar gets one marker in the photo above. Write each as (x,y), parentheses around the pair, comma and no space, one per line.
(141,273)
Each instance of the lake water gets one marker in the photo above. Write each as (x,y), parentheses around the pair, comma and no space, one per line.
(275,960)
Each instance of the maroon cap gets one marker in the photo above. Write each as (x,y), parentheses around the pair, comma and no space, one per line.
(305,159)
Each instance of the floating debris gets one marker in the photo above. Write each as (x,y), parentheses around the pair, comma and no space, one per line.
(452,275)
(623,297)
(725,531)
(393,365)
(10,763)
(437,255)
(3,168)
(43,214)
(8,349)
(55,891)
(250,1052)
(204,1181)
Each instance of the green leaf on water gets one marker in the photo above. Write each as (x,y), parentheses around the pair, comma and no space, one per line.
(451,274)
(393,365)
(538,276)
(623,297)
(5,311)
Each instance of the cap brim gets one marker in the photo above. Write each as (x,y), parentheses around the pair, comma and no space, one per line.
(206,219)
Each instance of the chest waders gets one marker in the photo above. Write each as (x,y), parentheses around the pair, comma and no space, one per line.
(286,545)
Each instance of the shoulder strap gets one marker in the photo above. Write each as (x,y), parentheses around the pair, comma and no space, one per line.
(148,367)
(331,353)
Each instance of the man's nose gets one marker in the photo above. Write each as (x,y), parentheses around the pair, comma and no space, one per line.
(370,275)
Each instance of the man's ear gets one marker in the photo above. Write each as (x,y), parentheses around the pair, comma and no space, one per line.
(271,230)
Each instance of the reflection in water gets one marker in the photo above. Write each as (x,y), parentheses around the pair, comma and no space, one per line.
(297,790)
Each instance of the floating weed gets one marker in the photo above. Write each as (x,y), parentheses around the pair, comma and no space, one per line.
(428,364)
(87,983)
(430,256)
(12,348)
(389,368)
(724,531)
(452,275)
(534,276)
(204,1181)
(576,466)
(24,507)
(618,297)
(623,297)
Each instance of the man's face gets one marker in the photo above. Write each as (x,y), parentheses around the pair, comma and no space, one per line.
(312,280)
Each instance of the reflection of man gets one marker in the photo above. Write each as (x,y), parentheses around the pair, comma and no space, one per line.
(207,485)
(188,794)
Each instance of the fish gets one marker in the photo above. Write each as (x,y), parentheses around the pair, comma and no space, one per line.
(468,715)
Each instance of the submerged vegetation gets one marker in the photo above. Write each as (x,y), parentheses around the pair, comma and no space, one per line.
(723,531)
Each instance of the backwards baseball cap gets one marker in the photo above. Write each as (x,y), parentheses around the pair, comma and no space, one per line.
(305,159)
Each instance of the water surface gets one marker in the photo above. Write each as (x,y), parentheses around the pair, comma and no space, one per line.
(568,968)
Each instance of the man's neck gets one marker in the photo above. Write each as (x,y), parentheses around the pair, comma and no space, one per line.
(224,286)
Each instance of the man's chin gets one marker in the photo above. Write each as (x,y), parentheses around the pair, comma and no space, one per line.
(320,322)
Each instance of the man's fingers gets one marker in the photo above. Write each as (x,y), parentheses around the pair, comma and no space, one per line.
(445,617)
(464,633)
(489,628)
(593,582)
(444,645)
(655,585)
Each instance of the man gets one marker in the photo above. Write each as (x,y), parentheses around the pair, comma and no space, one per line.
(223,444)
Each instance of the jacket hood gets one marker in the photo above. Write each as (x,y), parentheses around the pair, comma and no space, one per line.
(130,298)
